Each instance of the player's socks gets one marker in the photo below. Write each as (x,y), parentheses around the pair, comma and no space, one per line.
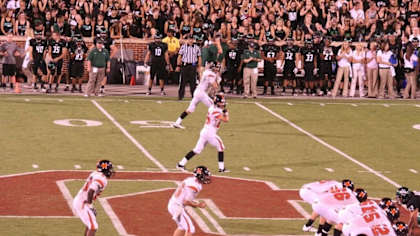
(272,90)
(309,223)
(11,85)
(284,89)
(187,157)
(265,89)
(337,232)
(181,117)
(221,161)
(326,229)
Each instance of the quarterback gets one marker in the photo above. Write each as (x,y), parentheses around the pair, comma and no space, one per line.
(83,202)
(185,196)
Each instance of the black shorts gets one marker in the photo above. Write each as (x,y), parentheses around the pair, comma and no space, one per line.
(57,68)
(76,69)
(270,71)
(309,72)
(9,69)
(325,70)
(159,71)
(39,65)
(288,73)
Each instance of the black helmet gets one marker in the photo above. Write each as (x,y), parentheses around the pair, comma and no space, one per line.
(348,184)
(219,100)
(401,228)
(202,174)
(385,203)
(106,168)
(393,213)
(361,194)
(403,194)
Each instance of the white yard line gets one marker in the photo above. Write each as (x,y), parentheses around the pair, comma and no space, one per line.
(130,137)
(364,166)
(213,221)
(66,193)
(114,218)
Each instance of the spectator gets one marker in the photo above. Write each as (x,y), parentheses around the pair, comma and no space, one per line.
(410,63)
(97,61)
(7,23)
(372,70)
(22,25)
(343,58)
(358,61)
(250,59)
(384,60)
(173,48)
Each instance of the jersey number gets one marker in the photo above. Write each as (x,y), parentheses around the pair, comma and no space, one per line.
(289,56)
(39,49)
(79,56)
(158,52)
(56,49)
(309,57)
(232,55)
(271,54)
(380,230)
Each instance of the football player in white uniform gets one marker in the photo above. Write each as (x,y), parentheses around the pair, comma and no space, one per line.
(208,135)
(184,196)
(83,202)
(209,81)
(310,192)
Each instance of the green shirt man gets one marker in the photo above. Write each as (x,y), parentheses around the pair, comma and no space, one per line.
(251,54)
(98,58)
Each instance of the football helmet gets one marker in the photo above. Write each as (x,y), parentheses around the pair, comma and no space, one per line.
(361,194)
(385,203)
(214,66)
(401,228)
(309,43)
(348,184)
(105,166)
(219,100)
(393,213)
(202,174)
(403,194)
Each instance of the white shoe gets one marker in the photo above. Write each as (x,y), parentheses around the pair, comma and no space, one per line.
(307,228)
(176,125)
(318,234)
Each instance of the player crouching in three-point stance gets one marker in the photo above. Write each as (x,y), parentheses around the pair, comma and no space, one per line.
(216,114)
(184,196)
(95,184)
(210,79)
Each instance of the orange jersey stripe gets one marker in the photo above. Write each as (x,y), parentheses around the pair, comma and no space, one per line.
(100,183)
(193,188)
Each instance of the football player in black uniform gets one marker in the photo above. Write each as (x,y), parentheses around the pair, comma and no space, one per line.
(158,52)
(57,49)
(232,64)
(291,60)
(325,66)
(270,53)
(412,201)
(37,51)
(309,64)
(78,53)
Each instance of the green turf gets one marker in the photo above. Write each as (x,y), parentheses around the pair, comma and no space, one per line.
(380,137)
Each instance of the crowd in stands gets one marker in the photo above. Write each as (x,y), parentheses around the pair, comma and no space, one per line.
(235,21)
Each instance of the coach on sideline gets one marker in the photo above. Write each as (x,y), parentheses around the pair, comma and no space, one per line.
(189,61)
(98,61)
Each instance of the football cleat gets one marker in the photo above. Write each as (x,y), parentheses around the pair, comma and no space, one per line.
(162,93)
(148,93)
(308,228)
(176,125)
(224,170)
(181,168)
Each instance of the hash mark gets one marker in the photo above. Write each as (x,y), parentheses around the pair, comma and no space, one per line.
(77,167)
(413,171)
(329,169)
(246,168)
(288,169)
(290,104)
(120,167)
(386,105)
(35,166)
(354,105)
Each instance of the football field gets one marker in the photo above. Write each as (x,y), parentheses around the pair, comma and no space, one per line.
(50,143)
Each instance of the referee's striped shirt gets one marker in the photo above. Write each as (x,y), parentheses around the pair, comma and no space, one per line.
(190,53)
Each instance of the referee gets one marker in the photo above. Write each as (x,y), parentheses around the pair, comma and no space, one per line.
(189,61)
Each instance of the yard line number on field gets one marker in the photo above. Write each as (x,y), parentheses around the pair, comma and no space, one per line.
(329,146)
(130,137)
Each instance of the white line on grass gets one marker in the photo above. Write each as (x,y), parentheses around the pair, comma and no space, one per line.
(27,100)
(322,104)
(120,167)
(77,167)
(386,105)
(364,166)
(131,138)
(60,100)
(114,218)
(35,166)
(288,169)
(417,105)
(413,171)
(213,221)
(246,168)
(329,170)
(290,104)
(354,105)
